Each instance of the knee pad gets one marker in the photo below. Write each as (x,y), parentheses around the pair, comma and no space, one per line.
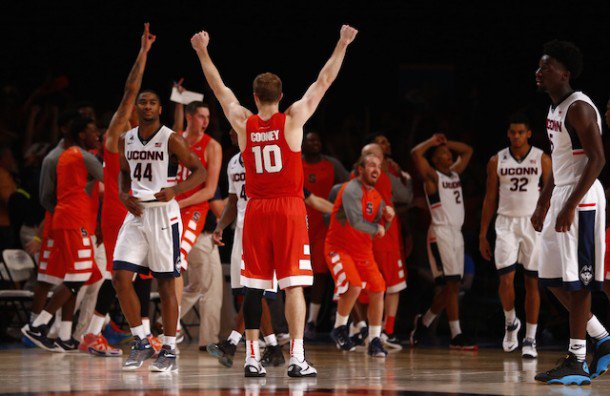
(253,308)
(74,287)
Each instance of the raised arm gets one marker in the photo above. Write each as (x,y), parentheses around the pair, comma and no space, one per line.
(178,124)
(422,165)
(303,109)
(235,113)
(120,119)
(489,206)
(464,153)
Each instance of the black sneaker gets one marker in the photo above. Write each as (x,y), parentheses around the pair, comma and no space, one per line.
(419,332)
(166,361)
(140,351)
(376,348)
(463,343)
(340,336)
(310,332)
(569,372)
(273,356)
(38,336)
(601,357)
(70,346)
(224,351)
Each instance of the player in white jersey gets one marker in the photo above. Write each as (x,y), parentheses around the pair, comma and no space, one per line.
(149,239)
(445,241)
(571,213)
(514,175)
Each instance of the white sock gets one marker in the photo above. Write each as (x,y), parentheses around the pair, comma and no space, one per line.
(297,350)
(65,330)
(253,350)
(578,348)
(43,319)
(428,318)
(271,340)
(146,325)
(314,310)
(455,328)
(139,332)
(234,337)
(170,341)
(96,324)
(595,329)
(341,320)
(530,330)
(374,332)
(510,317)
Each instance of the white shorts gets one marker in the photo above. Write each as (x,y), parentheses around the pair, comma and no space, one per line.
(516,243)
(237,263)
(574,259)
(151,241)
(446,253)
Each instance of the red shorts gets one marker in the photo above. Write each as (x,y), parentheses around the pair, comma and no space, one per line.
(72,257)
(46,272)
(193,220)
(392,269)
(607,256)
(346,271)
(318,259)
(275,239)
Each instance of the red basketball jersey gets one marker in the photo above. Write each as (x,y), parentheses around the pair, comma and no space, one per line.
(199,149)
(273,170)
(319,179)
(113,210)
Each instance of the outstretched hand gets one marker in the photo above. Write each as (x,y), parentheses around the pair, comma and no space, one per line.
(200,40)
(147,38)
(347,34)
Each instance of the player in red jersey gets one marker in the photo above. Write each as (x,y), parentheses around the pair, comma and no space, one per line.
(275,226)
(321,173)
(73,251)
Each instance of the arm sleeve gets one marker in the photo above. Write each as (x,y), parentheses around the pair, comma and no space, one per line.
(306,193)
(352,205)
(380,211)
(46,187)
(94,167)
(341,174)
(402,194)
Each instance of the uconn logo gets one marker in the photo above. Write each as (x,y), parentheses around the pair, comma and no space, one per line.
(455,184)
(553,125)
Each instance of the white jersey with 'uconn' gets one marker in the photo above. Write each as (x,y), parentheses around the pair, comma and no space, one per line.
(519,182)
(447,205)
(150,163)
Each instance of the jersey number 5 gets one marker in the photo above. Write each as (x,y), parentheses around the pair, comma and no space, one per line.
(267,158)
(137,172)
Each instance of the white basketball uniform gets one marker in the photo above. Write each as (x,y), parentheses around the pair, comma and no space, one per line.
(152,240)
(516,240)
(573,259)
(445,240)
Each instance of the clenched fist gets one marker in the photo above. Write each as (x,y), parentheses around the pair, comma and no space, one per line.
(348,34)
(200,40)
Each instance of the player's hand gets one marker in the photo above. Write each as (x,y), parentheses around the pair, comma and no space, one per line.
(178,85)
(388,213)
(537,218)
(484,248)
(33,246)
(217,237)
(565,218)
(347,34)
(147,38)
(132,204)
(200,40)
(166,194)
(438,138)
(380,231)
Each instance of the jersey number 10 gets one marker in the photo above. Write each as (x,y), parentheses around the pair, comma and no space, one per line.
(267,158)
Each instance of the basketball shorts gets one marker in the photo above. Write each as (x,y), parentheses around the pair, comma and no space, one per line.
(193,220)
(151,241)
(446,253)
(392,268)
(237,264)
(516,243)
(275,239)
(574,260)
(345,271)
(318,258)
(46,271)
(72,258)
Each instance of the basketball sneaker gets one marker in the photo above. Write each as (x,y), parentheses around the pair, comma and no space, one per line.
(115,335)
(375,348)
(569,372)
(463,343)
(97,345)
(310,331)
(155,342)
(340,336)
(419,332)
(273,356)
(179,336)
(254,368)
(601,357)
(391,341)
(510,341)
(140,351)
(283,339)
(359,339)
(38,336)
(299,369)
(70,346)
(224,351)
(165,362)
(528,350)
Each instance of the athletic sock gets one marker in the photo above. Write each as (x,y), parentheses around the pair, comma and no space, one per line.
(374,332)
(428,318)
(297,350)
(530,330)
(510,317)
(170,342)
(65,330)
(454,325)
(314,310)
(271,340)
(578,348)
(96,324)
(389,324)
(253,350)
(595,329)
(43,319)
(341,320)
(234,337)
(146,325)
(139,332)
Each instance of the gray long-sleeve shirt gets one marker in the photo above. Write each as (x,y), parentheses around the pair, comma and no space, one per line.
(352,205)
(48,178)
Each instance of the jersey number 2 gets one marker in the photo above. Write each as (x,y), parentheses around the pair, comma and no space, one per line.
(137,172)
(267,159)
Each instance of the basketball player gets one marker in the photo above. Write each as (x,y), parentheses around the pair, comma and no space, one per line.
(275,225)
(445,241)
(72,254)
(571,213)
(514,174)
(149,239)
(607,257)
(321,172)
(355,221)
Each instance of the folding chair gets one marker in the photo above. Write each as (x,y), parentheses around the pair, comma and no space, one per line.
(17,266)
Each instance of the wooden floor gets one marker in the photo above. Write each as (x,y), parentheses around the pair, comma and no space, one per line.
(489,371)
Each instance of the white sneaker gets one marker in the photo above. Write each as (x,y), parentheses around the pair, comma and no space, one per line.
(528,351)
(511,342)
(391,343)
(254,368)
(299,369)
(283,338)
